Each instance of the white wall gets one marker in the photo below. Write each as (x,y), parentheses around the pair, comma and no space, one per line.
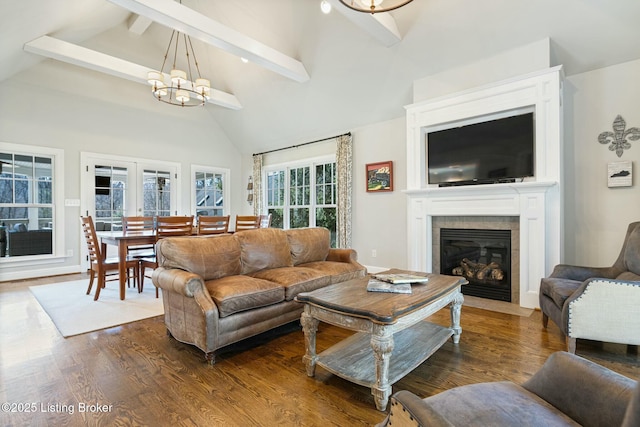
(37,114)
(596,217)
(380,219)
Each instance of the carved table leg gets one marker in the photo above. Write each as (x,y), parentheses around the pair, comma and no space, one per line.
(382,345)
(456,306)
(309,327)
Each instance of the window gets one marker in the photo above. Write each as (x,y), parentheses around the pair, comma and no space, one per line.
(28,191)
(156,189)
(302,195)
(210,186)
(111,187)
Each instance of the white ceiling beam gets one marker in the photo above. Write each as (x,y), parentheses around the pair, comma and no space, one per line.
(97,61)
(138,24)
(380,26)
(174,15)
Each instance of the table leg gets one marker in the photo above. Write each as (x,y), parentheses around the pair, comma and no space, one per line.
(382,345)
(310,328)
(122,266)
(456,306)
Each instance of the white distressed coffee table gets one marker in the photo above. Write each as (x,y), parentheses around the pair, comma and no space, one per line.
(393,337)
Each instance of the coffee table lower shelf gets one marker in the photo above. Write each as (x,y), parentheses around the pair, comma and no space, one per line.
(353,358)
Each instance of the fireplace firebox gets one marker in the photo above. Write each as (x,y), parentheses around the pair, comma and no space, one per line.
(483,257)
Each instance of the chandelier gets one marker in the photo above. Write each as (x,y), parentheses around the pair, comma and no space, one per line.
(374,6)
(181,88)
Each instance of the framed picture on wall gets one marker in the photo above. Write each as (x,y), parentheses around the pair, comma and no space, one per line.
(620,174)
(380,176)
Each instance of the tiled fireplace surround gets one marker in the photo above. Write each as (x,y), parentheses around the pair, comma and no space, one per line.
(532,208)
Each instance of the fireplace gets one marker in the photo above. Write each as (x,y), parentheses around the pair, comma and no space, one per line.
(535,202)
(482,257)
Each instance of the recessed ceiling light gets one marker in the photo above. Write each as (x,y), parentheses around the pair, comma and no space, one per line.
(325,6)
(245,60)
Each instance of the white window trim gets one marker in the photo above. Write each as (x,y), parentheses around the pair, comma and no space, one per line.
(58,204)
(226,186)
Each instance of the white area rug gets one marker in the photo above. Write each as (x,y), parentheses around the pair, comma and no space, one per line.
(74,312)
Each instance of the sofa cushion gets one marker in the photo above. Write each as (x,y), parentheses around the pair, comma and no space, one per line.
(496,404)
(263,248)
(294,279)
(211,257)
(308,244)
(337,271)
(233,294)
(558,289)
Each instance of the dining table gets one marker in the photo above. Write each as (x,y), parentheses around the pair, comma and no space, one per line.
(123,240)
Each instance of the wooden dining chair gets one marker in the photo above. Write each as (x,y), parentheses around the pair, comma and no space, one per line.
(101,266)
(133,224)
(166,226)
(213,224)
(247,222)
(265,221)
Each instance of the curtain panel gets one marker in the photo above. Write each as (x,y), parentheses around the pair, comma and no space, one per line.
(257,184)
(344,161)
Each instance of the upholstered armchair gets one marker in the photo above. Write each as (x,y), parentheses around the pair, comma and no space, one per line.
(597,303)
(567,390)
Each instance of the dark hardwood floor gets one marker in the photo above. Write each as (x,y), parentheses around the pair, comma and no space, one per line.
(144,377)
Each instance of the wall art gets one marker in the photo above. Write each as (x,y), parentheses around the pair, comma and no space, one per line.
(618,138)
(620,174)
(380,176)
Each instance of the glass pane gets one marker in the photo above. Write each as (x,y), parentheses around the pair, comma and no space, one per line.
(23,166)
(277,218)
(6,190)
(26,232)
(326,217)
(298,218)
(22,191)
(45,191)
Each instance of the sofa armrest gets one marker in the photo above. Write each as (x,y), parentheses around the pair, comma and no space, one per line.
(176,280)
(588,393)
(579,273)
(605,310)
(342,255)
(407,409)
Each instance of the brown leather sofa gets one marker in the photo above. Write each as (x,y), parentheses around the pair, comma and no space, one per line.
(218,290)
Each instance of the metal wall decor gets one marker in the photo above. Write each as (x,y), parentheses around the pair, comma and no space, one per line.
(618,138)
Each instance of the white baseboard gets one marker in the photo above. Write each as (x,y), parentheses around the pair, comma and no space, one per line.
(33,274)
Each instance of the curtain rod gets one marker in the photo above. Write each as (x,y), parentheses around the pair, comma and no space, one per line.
(305,143)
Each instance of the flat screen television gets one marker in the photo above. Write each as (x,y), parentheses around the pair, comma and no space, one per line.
(500,150)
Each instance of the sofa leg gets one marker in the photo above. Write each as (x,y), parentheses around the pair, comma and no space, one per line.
(545,320)
(571,345)
(211,358)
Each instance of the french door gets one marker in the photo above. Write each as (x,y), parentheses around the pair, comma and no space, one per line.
(116,187)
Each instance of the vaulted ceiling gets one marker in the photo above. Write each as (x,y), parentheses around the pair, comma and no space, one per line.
(309,75)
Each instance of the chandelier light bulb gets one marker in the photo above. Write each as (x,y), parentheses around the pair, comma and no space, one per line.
(369,3)
(160,90)
(178,77)
(182,96)
(155,78)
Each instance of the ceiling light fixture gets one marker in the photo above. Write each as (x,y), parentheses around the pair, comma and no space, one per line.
(181,89)
(325,6)
(374,6)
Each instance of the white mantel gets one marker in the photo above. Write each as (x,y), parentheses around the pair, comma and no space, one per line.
(536,201)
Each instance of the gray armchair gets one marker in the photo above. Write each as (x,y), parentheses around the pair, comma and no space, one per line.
(597,303)
(567,390)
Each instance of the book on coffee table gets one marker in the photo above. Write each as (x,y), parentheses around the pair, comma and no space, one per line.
(401,278)
(375,285)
